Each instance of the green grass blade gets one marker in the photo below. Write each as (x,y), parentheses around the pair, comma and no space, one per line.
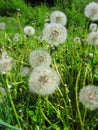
(8,125)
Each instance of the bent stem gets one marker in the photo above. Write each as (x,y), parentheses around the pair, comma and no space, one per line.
(55,127)
(12,104)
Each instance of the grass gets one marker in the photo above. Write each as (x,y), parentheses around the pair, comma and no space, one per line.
(62,110)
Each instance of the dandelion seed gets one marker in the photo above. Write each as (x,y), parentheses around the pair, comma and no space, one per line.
(29,30)
(9,86)
(91,11)
(2,94)
(90,55)
(5,66)
(77,40)
(4,55)
(93,27)
(18,9)
(9,40)
(58,17)
(39,38)
(2,26)
(16,37)
(88,96)
(39,57)
(24,71)
(5,63)
(92,38)
(54,34)
(43,81)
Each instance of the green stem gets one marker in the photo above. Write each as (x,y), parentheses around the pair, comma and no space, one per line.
(20,27)
(12,104)
(85,112)
(55,127)
(57,112)
(39,115)
(77,102)
(67,96)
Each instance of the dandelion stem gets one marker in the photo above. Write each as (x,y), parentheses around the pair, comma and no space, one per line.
(61,92)
(12,104)
(85,112)
(24,63)
(77,101)
(18,20)
(57,112)
(58,73)
(39,115)
(55,127)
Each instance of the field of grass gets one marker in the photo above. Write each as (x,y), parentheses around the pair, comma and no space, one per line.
(24,110)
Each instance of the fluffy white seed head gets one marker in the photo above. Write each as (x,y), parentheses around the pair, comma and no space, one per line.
(93,27)
(92,38)
(91,11)
(16,37)
(5,63)
(2,26)
(54,34)
(43,81)
(29,30)
(4,55)
(24,71)
(2,94)
(39,57)
(58,17)
(88,96)
(77,40)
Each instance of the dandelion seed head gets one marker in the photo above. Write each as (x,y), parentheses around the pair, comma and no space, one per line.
(43,81)
(16,37)
(39,57)
(29,30)
(5,66)
(88,96)
(2,94)
(24,71)
(54,34)
(4,55)
(92,38)
(91,11)
(5,63)
(2,26)
(93,27)
(77,39)
(58,17)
